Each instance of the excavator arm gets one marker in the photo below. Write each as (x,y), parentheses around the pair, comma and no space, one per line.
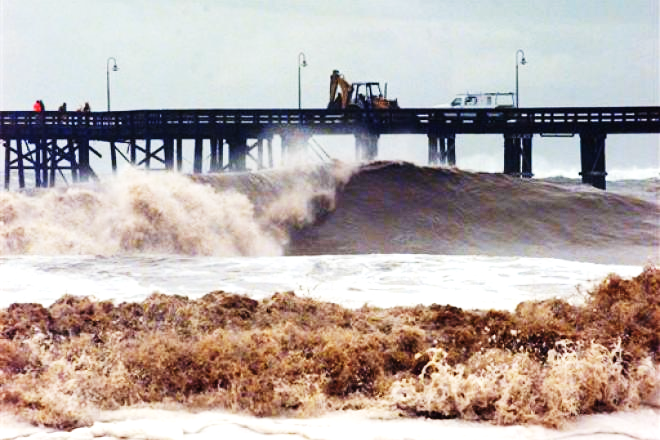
(337,81)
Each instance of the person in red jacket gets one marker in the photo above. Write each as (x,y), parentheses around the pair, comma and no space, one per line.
(38,106)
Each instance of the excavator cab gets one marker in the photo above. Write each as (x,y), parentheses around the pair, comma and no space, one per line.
(363,95)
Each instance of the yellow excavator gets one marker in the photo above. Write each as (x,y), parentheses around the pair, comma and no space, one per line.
(361,95)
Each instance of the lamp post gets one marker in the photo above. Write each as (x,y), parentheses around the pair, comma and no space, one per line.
(107,75)
(302,62)
(523,61)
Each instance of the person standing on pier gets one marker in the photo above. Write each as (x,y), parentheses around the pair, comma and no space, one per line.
(38,106)
(62,111)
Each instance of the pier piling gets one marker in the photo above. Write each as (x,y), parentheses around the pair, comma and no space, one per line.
(366,145)
(526,156)
(592,159)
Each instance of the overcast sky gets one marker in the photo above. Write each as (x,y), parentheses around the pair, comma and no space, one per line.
(232,54)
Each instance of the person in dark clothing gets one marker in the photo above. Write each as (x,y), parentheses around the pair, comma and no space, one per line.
(62,111)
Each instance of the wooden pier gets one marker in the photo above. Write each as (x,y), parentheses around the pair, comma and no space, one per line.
(54,145)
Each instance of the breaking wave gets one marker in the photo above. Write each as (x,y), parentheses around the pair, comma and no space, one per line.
(138,212)
(382,207)
(400,208)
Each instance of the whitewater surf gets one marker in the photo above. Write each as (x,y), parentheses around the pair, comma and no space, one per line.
(70,364)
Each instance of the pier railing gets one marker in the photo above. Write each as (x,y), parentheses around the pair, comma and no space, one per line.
(48,143)
(189,123)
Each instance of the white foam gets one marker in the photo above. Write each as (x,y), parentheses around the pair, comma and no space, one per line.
(155,424)
(387,280)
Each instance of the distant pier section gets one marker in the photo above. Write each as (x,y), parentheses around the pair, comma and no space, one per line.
(55,146)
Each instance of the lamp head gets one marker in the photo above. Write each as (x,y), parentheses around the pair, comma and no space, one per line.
(115,68)
(523,61)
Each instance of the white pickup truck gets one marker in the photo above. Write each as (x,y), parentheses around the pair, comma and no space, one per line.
(481,100)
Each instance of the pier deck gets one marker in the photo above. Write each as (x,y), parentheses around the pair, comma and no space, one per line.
(50,142)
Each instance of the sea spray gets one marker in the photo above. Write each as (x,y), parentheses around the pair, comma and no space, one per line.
(138,212)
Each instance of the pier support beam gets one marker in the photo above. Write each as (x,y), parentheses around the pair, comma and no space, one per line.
(260,153)
(518,155)
(6,143)
(366,146)
(113,157)
(20,157)
(527,156)
(83,159)
(147,153)
(179,154)
(168,153)
(37,159)
(592,159)
(269,148)
(451,149)
(217,154)
(133,152)
(54,162)
(213,166)
(442,149)
(46,158)
(71,157)
(437,149)
(512,155)
(199,156)
(238,150)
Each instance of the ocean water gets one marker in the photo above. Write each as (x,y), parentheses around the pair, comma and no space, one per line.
(379,243)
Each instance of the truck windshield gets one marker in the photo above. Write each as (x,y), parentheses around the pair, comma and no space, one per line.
(456,102)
